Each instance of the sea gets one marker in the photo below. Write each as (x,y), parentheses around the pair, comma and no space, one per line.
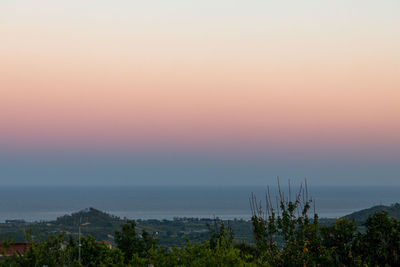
(44,203)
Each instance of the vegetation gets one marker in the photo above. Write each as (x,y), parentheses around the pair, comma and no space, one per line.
(360,217)
(286,233)
(102,226)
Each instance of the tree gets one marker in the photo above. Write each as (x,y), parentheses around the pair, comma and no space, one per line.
(380,245)
(130,243)
(99,254)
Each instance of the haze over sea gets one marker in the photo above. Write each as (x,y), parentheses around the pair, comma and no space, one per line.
(36,203)
(175,94)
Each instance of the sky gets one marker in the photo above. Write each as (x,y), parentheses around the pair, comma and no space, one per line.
(204,92)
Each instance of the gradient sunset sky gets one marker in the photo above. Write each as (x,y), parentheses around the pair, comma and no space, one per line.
(199,92)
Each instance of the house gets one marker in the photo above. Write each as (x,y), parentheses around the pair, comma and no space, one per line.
(17,247)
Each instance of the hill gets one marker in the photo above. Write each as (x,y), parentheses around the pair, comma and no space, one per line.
(361,216)
(102,226)
(91,215)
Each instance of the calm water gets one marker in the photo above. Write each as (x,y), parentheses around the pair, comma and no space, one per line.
(140,202)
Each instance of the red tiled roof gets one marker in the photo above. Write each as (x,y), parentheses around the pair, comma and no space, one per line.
(18,247)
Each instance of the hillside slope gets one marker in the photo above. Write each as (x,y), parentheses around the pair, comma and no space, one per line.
(361,216)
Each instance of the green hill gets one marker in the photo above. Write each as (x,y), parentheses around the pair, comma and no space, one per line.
(93,216)
(102,226)
(361,216)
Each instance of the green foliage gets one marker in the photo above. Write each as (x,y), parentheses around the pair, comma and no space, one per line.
(51,252)
(285,236)
(130,243)
(360,217)
(99,254)
(103,226)
(340,240)
(57,251)
(218,251)
(380,245)
(220,235)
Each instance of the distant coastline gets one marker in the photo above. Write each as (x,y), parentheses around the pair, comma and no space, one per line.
(166,202)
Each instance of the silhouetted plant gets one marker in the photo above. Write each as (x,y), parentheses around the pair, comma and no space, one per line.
(285,235)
